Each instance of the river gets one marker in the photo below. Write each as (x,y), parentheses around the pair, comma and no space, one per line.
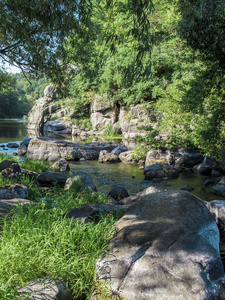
(111,175)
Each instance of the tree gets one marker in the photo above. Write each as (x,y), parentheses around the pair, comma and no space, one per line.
(32,33)
(203,27)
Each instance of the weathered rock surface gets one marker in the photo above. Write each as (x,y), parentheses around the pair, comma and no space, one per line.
(53,149)
(128,157)
(161,171)
(222,181)
(217,209)
(42,110)
(103,113)
(92,211)
(135,119)
(61,165)
(44,289)
(176,156)
(7,204)
(166,247)
(57,127)
(30,174)
(86,181)
(16,190)
(11,166)
(49,179)
(107,157)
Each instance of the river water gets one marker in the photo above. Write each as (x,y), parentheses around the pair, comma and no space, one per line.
(107,176)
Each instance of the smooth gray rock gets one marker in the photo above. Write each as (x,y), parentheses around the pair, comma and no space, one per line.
(161,171)
(49,179)
(16,190)
(26,141)
(166,247)
(151,190)
(44,289)
(86,181)
(50,92)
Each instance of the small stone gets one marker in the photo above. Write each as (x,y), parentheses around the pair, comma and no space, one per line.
(188,188)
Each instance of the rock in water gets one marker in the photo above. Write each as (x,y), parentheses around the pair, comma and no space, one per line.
(166,247)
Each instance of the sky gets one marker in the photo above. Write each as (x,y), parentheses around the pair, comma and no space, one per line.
(9,68)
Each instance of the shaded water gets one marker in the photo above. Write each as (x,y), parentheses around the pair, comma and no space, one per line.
(12,130)
(131,177)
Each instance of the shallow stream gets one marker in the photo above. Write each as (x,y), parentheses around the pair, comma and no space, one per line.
(107,176)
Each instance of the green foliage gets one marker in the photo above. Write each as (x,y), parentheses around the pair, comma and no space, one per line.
(35,165)
(55,246)
(202,26)
(110,131)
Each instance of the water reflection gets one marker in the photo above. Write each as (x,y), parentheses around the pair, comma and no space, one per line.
(12,130)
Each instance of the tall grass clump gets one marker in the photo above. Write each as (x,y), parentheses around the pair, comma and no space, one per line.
(40,241)
(35,165)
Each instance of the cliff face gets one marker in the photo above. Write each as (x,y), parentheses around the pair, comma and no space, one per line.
(50,118)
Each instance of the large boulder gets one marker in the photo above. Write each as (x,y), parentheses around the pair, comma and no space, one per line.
(9,166)
(103,113)
(217,209)
(42,110)
(128,157)
(166,247)
(178,156)
(161,171)
(136,120)
(53,149)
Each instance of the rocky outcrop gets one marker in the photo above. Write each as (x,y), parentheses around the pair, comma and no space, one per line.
(136,120)
(53,149)
(57,127)
(128,157)
(161,171)
(178,156)
(207,166)
(103,113)
(217,210)
(166,247)
(42,110)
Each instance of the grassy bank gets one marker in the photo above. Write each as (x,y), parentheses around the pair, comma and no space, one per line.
(38,241)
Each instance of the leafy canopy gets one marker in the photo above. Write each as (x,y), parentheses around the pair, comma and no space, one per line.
(33,33)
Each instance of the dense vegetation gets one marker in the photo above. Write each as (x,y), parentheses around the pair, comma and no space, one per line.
(173,61)
(186,81)
(39,241)
(17,95)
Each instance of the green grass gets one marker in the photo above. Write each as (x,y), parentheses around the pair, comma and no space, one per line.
(38,241)
(34,165)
